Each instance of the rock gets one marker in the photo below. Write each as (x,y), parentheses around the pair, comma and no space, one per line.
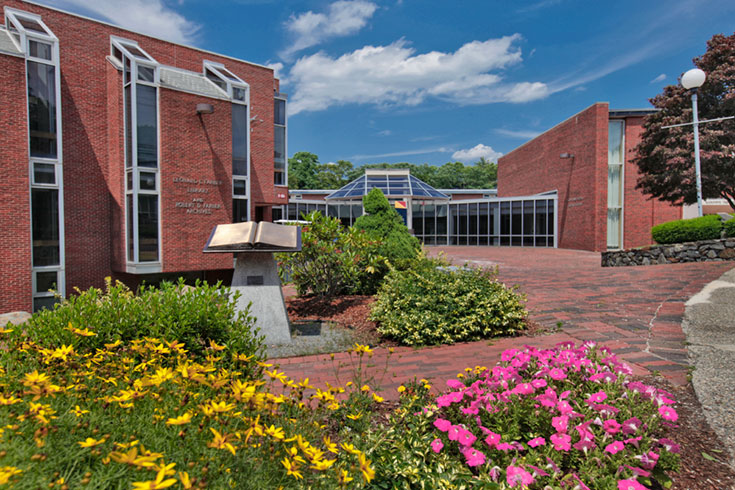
(728,253)
(15,318)
(712,254)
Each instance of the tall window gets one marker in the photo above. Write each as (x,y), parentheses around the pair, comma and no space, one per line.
(41,48)
(615,160)
(142,201)
(279,140)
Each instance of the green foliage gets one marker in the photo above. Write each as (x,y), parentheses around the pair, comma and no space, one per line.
(302,168)
(333,175)
(190,315)
(729,227)
(385,225)
(688,230)
(333,260)
(432,304)
(665,156)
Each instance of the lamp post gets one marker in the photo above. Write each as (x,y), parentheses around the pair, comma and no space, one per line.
(693,79)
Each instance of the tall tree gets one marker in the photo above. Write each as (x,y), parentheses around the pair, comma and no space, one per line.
(665,157)
(333,175)
(302,169)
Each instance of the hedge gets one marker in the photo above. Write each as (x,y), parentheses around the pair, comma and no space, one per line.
(688,230)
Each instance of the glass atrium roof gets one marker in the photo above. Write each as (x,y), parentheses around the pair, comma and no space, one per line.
(392,184)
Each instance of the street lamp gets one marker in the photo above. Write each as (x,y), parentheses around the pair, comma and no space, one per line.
(693,79)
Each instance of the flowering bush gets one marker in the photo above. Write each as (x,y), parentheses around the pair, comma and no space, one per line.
(145,414)
(561,418)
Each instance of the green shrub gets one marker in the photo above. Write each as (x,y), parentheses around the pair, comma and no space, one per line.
(688,230)
(190,315)
(729,227)
(333,260)
(431,304)
(384,223)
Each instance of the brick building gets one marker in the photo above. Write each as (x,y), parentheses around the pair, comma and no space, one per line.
(121,152)
(587,160)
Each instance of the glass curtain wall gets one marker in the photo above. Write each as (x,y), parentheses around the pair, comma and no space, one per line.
(279,141)
(615,153)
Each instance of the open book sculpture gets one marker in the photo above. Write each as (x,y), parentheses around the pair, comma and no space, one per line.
(255,237)
(256,272)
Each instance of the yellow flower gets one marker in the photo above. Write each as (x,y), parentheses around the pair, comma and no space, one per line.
(6,330)
(90,442)
(275,432)
(329,445)
(357,416)
(344,477)
(378,399)
(365,388)
(78,411)
(350,448)
(8,472)
(291,468)
(9,400)
(113,345)
(367,472)
(185,480)
(36,378)
(156,484)
(220,442)
(323,464)
(401,389)
(213,345)
(82,332)
(180,420)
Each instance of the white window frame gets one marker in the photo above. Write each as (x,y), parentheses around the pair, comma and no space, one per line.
(282,97)
(620,208)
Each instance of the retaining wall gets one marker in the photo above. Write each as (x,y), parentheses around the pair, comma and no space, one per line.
(702,251)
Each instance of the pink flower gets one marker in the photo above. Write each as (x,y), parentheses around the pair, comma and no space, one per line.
(630,485)
(615,447)
(505,446)
(516,475)
(492,439)
(670,445)
(631,425)
(585,445)
(523,389)
(557,374)
(561,442)
(437,445)
(538,383)
(668,413)
(466,438)
(560,423)
(598,397)
(611,426)
(442,424)
(455,383)
(564,407)
(473,457)
(537,441)
(454,432)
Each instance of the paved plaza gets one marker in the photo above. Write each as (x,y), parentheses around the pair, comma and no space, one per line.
(636,311)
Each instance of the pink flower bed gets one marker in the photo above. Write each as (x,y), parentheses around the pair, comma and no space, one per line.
(568,417)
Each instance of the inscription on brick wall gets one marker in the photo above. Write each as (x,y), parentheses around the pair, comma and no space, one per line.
(199,190)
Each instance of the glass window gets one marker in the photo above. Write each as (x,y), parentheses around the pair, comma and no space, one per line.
(292,214)
(147,228)
(528,214)
(473,219)
(462,219)
(45,227)
(239,139)
(44,173)
(31,25)
(42,109)
(240,210)
(129,181)
(441,219)
(216,79)
(128,127)
(494,220)
(131,237)
(239,187)
(46,281)
(279,146)
(277,213)
(279,178)
(44,303)
(615,142)
(517,217)
(147,124)
(484,207)
(552,220)
(147,181)
(238,94)
(504,219)
(541,217)
(417,219)
(146,74)
(279,112)
(39,49)
(613,186)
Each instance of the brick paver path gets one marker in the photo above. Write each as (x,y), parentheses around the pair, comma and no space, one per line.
(636,311)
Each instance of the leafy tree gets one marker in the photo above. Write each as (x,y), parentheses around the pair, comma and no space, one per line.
(302,169)
(665,157)
(333,175)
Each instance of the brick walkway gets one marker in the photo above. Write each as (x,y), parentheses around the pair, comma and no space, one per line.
(636,311)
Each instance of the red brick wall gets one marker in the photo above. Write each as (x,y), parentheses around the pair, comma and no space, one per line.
(15,212)
(93,153)
(640,212)
(581,182)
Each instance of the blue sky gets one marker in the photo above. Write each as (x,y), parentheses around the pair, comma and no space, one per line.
(431,81)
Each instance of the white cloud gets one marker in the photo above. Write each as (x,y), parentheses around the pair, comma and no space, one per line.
(396,75)
(659,78)
(475,153)
(150,17)
(385,132)
(420,151)
(277,71)
(343,17)
(520,134)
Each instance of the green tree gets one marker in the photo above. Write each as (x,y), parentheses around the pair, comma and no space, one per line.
(333,175)
(482,175)
(665,157)
(302,169)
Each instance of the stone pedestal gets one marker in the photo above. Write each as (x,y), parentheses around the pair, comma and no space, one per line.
(256,279)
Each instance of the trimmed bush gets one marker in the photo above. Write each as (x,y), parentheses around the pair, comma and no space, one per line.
(333,260)
(729,227)
(688,230)
(383,223)
(433,304)
(193,316)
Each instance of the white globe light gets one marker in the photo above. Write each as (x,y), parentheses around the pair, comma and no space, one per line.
(693,78)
